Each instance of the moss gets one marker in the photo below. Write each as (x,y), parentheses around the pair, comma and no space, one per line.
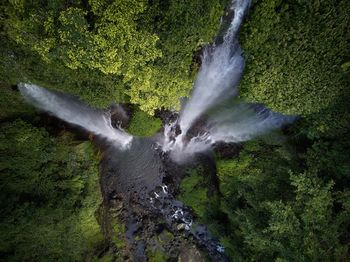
(194,192)
(143,124)
(157,256)
(118,236)
(165,237)
(106,258)
(12,104)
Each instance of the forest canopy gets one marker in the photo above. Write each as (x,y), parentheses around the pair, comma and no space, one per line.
(280,199)
(98,49)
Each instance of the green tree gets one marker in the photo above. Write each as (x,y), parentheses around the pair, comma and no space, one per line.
(63,31)
(277,214)
(303,229)
(184,28)
(49,196)
(140,48)
(297,52)
(95,40)
(143,124)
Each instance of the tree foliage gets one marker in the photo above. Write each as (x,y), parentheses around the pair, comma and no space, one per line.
(297,54)
(279,214)
(183,29)
(49,196)
(100,35)
(287,202)
(291,202)
(140,48)
(143,124)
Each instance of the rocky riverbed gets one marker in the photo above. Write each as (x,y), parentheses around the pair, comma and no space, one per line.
(140,188)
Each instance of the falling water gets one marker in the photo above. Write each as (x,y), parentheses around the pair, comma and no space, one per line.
(242,121)
(220,72)
(216,83)
(73,111)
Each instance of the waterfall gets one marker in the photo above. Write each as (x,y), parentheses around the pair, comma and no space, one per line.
(216,84)
(220,72)
(71,110)
(242,121)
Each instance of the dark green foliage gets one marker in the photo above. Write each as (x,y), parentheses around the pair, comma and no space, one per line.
(103,51)
(194,192)
(297,54)
(143,125)
(157,256)
(197,191)
(293,205)
(274,202)
(275,214)
(183,27)
(11,103)
(49,196)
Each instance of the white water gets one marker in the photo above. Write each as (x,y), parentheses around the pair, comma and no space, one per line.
(220,72)
(241,122)
(216,82)
(75,112)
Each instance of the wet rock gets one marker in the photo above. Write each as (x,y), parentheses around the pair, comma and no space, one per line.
(165,237)
(139,187)
(166,116)
(120,115)
(198,128)
(225,23)
(116,205)
(197,58)
(181,227)
(227,150)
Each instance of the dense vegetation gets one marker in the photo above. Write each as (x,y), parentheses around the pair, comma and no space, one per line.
(297,62)
(290,201)
(103,51)
(285,201)
(143,124)
(49,195)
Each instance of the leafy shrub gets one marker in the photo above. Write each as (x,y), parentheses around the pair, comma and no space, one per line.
(143,125)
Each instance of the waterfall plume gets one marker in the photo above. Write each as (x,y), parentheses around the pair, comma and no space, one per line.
(73,111)
(217,84)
